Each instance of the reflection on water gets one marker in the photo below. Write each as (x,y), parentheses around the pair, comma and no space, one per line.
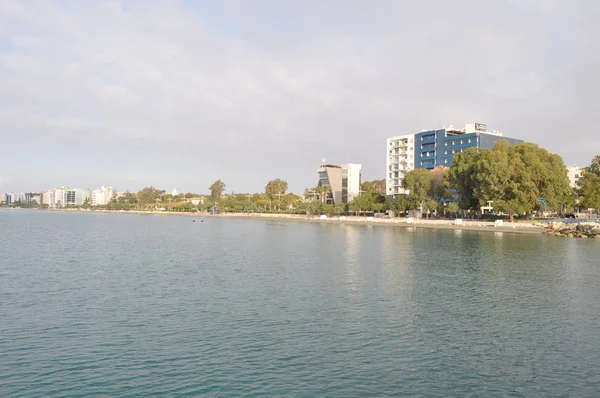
(352,256)
(139,306)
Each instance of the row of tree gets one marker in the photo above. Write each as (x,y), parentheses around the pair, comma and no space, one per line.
(518,179)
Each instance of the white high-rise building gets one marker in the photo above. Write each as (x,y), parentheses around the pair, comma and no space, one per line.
(400,160)
(60,197)
(103,195)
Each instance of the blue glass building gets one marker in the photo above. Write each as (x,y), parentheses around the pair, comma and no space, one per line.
(432,148)
(437,147)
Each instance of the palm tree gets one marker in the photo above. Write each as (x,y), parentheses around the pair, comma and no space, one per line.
(319,190)
(326,189)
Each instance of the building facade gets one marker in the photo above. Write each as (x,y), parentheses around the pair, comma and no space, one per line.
(400,160)
(103,195)
(343,182)
(574,173)
(431,148)
(78,196)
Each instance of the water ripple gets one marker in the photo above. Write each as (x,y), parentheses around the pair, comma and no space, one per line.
(117,305)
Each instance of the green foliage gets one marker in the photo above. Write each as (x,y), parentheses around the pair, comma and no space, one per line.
(400,204)
(420,183)
(368,201)
(275,188)
(453,208)
(147,196)
(216,190)
(375,186)
(589,185)
(515,178)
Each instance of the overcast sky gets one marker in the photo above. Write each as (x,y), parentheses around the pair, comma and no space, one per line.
(176,94)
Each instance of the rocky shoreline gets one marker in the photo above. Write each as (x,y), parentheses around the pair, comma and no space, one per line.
(574,230)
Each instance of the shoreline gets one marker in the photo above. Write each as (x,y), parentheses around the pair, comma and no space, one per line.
(446,224)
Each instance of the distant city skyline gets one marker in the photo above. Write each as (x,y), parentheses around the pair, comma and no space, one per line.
(178,94)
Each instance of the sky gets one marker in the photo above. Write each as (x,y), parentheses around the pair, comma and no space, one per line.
(177,94)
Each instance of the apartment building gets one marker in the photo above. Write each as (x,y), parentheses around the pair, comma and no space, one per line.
(400,160)
(102,196)
(431,148)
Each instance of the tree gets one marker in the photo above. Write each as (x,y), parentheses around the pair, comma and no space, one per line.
(275,188)
(400,204)
(463,179)
(420,183)
(128,197)
(453,208)
(216,190)
(376,186)
(364,202)
(516,178)
(441,183)
(147,196)
(589,185)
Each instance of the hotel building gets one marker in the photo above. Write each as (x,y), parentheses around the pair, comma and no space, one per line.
(431,148)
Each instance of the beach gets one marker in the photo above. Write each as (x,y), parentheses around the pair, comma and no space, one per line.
(467,225)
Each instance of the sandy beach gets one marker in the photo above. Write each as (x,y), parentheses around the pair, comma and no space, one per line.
(467,225)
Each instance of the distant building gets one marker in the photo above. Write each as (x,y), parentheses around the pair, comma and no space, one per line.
(60,198)
(78,196)
(48,198)
(103,195)
(574,173)
(343,181)
(431,148)
(196,201)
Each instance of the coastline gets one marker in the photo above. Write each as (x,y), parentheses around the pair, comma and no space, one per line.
(447,224)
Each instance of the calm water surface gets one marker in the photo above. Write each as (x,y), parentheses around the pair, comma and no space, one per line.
(126,305)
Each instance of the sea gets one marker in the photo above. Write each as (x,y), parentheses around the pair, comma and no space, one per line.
(123,305)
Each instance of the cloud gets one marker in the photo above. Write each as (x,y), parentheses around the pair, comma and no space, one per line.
(171,93)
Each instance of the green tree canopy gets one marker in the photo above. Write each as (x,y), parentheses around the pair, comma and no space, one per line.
(275,188)
(589,185)
(516,178)
(216,190)
(420,184)
(375,186)
(147,196)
